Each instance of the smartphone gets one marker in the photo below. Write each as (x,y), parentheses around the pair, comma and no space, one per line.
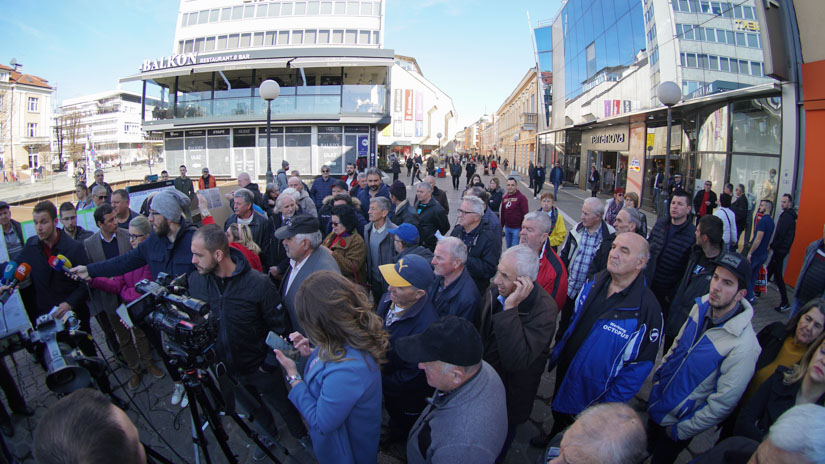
(276,342)
(123,313)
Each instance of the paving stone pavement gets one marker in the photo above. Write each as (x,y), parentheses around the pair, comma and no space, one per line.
(172,424)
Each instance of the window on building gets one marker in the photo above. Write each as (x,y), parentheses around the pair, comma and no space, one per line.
(310,36)
(704,63)
(237,12)
(366,9)
(688,32)
(340,8)
(705,7)
(249,11)
(31,129)
(590,54)
(731,37)
(743,67)
(326,8)
(188,46)
(269,38)
(756,68)
(352,9)
(33,104)
(233,41)
(226,14)
(375,37)
(286,9)
(258,39)
(323,37)
(283,37)
(246,39)
(350,37)
(737,12)
(713,61)
(203,17)
(184,19)
(297,37)
(313,8)
(214,15)
(749,12)
(337,37)
(753,40)
(740,39)
(221,43)
(300,9)
(363,37)
(193,19)
(199,44)
(210,44)
(724,65)
(691,60)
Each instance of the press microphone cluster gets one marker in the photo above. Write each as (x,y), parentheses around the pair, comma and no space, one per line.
(60,262)
(20,273)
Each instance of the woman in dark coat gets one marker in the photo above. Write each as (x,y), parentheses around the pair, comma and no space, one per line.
(593,179)
(496,194)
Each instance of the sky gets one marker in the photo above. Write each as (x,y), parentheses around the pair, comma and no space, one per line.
(476,51)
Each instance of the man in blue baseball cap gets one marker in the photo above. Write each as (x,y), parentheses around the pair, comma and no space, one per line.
(406,242)
(406,310)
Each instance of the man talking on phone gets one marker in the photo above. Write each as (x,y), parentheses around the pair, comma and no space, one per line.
(245,306)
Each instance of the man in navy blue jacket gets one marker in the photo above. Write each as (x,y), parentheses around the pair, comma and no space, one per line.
(453,291)
(611,344)
(321,187)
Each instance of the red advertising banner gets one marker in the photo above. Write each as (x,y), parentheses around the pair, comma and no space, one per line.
(408,105)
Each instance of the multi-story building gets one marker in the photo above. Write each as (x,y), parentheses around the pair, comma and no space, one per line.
(326,56)
(420,111)
(25,121)
(516,121)
(106,126)
(608,58)
(488,137)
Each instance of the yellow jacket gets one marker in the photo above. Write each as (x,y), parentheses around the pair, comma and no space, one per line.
(559,232)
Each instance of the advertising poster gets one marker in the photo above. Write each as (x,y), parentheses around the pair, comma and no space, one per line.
(419,107)
(398,100)
(372,141)
(408,105)
(635,173)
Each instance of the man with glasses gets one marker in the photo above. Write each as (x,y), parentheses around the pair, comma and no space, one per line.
(99,196)
(479,237)
(68,219)
(704,201)
(99,183)
(321,187)
(206,180)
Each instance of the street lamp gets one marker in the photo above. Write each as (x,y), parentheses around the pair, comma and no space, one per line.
(269,91)
(515,150)
(669,94)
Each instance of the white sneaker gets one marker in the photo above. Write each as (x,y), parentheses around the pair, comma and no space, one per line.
(184,402)
(178,394)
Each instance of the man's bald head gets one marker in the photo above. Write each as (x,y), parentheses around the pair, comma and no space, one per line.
(244,179)
(295,182)
(628,256)
(608,433)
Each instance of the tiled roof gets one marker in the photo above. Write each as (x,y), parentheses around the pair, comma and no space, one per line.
(26,79)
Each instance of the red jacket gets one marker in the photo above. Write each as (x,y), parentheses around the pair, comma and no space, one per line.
(553,275)
(513,209)
(201,183)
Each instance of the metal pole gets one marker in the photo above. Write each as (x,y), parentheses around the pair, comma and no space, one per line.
(269,177)
(665,210)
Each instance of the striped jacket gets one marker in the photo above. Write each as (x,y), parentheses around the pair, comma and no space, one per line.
(702,377)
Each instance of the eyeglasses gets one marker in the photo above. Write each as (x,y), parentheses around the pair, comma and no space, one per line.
(334,224)
(135,237)
(461,212)
(325,170)
(101,197)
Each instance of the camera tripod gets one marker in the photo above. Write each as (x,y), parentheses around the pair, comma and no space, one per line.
(203,392)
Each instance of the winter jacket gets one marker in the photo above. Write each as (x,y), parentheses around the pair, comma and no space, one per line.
(461,298)
(364,198)
(396,167)
(697,202)
(668,259)
(695,283)
(351,256)
(262,233)
(785,232)
(441,196)
(405,213)
(482,252)
(539,174)
(244,307)
(494,203)
(553,275)
(123,285)
(397,375)
(517,344)
(513,209)
(455,169)
(468,424)
(559,231)
(740,210)
(495,224)
(415,250)
(52,287)
(769,402)
(618,353)
(341,405)
(433,218)
(325,214)
(185,186)
(162,256)
(18,230)
(208,183)
(307,204)
(771,338)
(702,377)
(321,189)
(386,253)
(810,253)
(282,179)
(556,176)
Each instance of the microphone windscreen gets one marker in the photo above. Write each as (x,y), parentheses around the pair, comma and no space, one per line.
(65,261)
(22,272)
(8,272)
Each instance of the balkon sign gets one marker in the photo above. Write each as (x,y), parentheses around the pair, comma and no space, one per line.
(171,61)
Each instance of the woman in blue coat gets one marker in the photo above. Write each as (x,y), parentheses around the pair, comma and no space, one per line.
(339,394)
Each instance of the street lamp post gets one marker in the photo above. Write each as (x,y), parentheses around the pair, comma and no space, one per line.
(269,91)
(669,94)
(515,151)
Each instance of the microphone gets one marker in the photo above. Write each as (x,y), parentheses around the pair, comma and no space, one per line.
(20,274)
(8,272)
(60,262)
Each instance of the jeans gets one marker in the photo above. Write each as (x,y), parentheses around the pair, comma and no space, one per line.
(456,180)
(537,186)
(776,269)
(511,236)
(556,191)
(657,193)
(756,265)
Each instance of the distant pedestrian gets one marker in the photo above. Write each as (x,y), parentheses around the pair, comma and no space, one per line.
(593,181)
(762,234)
(538,180)
(556,178)
(781,246)
(513,209)
(704,201)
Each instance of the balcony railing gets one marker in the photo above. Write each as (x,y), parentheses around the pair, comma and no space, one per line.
(527,121)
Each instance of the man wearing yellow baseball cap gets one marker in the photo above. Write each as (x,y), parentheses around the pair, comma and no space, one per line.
(406,310)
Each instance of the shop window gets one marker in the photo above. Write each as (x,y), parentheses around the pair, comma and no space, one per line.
(756,173)
(757,126)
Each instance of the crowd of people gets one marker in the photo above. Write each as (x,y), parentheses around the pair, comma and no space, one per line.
(449,328)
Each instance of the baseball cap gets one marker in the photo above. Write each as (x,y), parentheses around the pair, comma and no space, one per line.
(205,170)
(406,232)
(300,224)
(412,270)
(738,265)
(4,204)
(451,339)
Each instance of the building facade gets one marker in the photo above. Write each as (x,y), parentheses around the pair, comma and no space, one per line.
(420,111)
(25,121)
(327,58)
(517,119)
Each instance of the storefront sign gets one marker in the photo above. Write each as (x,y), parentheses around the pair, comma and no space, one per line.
(408,105)
(745,25)
(606,139)
(189,59)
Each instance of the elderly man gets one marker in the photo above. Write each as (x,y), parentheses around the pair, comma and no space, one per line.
(321,187)
(360,184)
(696,280)
(68,219)
(100,183)
(432,216)
(583,241)
(206,180)
(465,420)
(489,214)
(375,188)
(99,196)
(438,194)
(627,220)
(671,240)
(608,433)
(480,239)
(453,291)
(301,239)
(380,246)
(517,324)
(610,347)
(406,243)
(12,231)
(123,213)
(705,373)
(406,310)
(404,211)
(535,233)
(304,201)
(258,224)
(287,207)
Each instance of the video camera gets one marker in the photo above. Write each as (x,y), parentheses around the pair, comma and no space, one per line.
(185,321)
(67,369)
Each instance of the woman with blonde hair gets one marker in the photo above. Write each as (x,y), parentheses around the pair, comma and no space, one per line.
(339,394)
(240,238)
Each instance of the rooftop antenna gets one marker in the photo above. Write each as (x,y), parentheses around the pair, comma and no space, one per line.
(14,64)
